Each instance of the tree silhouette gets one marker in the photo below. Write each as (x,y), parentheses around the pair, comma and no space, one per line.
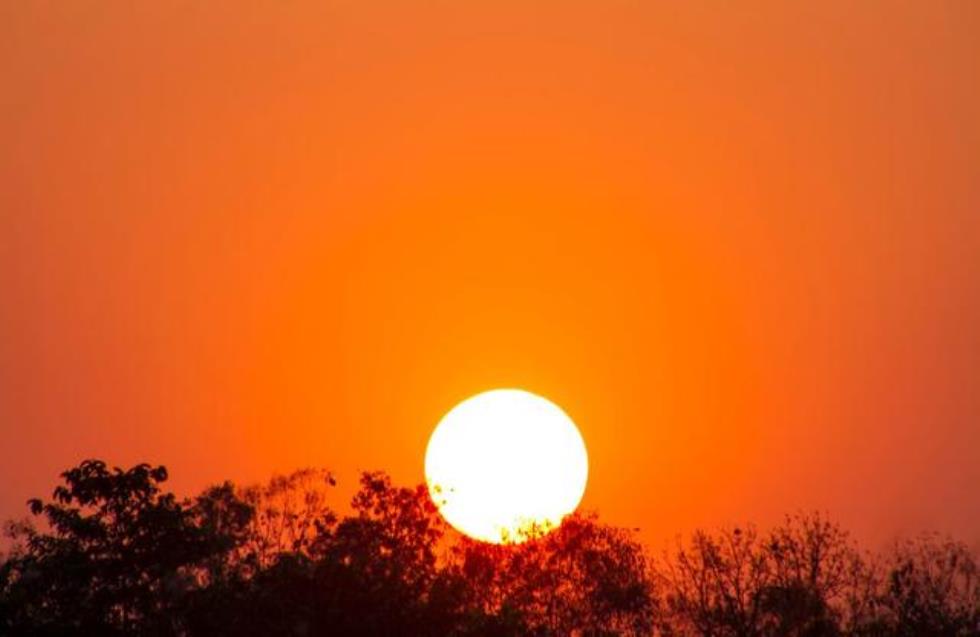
(289,511)
(931,587)
(115,558)
(111,553)
(582,578)
(802,578)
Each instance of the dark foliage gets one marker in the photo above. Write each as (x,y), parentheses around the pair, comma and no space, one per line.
(118,555)
(111,553)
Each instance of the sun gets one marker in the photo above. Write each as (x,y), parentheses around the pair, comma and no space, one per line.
(504,462)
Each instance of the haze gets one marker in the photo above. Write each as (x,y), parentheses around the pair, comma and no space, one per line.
(737,244)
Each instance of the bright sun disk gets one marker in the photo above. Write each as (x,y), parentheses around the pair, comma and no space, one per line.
(505,461)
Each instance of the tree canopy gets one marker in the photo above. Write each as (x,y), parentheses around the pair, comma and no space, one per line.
(113,553)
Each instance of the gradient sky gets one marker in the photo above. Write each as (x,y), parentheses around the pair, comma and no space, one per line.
(738,242)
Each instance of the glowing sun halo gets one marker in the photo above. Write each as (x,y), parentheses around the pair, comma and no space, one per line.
(505,460)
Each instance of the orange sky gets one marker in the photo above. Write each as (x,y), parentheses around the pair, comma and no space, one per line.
(738,245)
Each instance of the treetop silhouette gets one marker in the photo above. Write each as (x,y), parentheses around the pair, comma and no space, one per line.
(113,553)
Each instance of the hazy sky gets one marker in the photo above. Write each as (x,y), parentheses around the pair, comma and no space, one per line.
(738,242)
